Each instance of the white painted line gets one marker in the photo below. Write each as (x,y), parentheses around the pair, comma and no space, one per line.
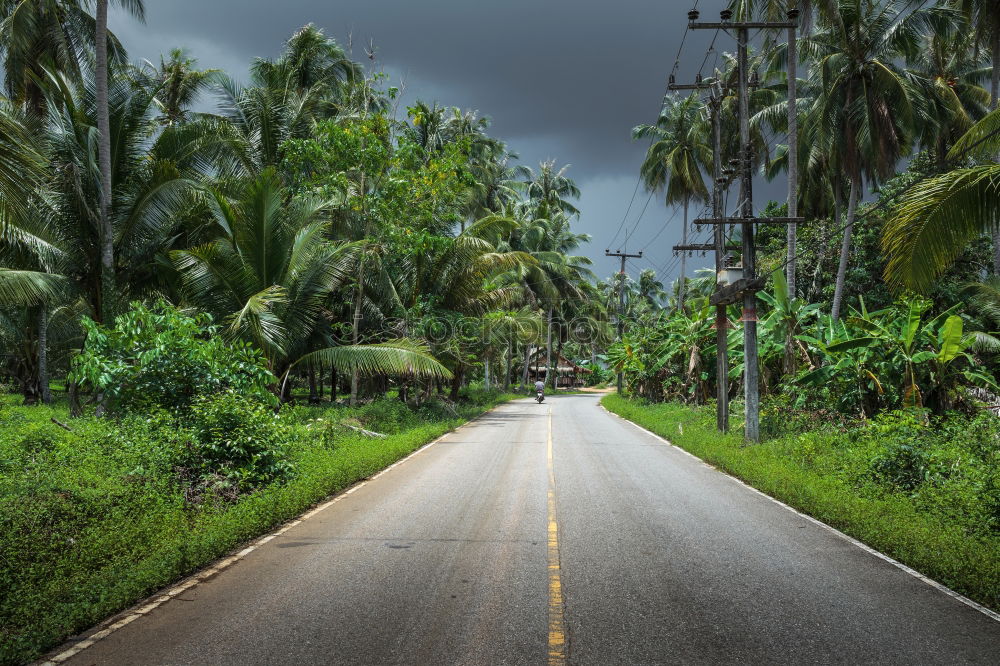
(147,605)
(993,615)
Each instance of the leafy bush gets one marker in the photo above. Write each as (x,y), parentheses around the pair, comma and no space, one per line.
(161,357)
(238,442)
(94,519)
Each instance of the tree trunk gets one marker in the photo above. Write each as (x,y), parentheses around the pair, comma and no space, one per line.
(845,248)
(456,382)
(559,349)
(104,162)
(548,356)
(355,336)
(321,383)
(527,365)
(995,103)
(507,359)
(333,383)
(684,240)
(313,395)
(486,373)
(43,354)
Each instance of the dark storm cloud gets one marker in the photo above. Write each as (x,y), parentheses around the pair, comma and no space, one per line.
(560,78)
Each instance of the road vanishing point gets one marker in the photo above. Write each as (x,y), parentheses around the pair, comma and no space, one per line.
(554,533)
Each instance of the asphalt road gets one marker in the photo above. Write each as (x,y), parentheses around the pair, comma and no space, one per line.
(651,557)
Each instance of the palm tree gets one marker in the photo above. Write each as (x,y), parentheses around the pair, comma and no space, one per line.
(267,277)
(103,113)
(984,17)
(949,71)
(940,216)
(150,191)
(310,60)
(985,21)
(674,160)
(36,35)
(865,114)
(549,190)
(650,289)
(179,85)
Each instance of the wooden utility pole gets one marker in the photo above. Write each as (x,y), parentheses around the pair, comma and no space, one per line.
(621,299)
(745,289)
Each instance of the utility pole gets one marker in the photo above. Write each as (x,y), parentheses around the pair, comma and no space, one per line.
(793,180)
(751,368)
(793,150)
(719,246)
(744,289)
(721,320)
(621,298)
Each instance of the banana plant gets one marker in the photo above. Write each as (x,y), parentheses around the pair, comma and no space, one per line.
(950,347)
(787,317)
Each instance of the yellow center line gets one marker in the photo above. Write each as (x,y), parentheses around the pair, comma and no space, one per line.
(557,622)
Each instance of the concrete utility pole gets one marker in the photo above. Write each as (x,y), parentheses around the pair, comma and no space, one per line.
(721,320)
(793,151)
(751,367)
(719,247)
(621,298)
(744,289)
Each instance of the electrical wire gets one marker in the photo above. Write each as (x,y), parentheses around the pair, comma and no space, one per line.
(635,190)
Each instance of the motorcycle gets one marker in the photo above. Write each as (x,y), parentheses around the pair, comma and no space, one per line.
(540,396)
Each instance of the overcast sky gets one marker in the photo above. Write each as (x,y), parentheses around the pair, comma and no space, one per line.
(560,79)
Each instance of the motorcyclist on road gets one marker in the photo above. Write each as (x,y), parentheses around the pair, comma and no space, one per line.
(539,386)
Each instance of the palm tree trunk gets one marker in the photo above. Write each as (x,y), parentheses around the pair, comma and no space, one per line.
(684,240)
(845,248)
(104,163)
(43,354)
(549,375)
(313,395)
(527,365)
(333,384)
(456,382)
(321,385)
(995,81)
(559,349)
(994,103)
(355,333)
(486,373)
(508,359)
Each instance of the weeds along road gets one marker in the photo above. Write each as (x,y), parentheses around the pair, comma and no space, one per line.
(603,546)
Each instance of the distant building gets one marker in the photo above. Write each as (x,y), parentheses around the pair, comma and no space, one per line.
(568,373)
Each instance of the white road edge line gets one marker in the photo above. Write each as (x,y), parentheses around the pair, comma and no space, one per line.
(868,549)
(148,604)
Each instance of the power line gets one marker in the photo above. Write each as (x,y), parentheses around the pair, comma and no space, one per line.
(639,219)
(635,190)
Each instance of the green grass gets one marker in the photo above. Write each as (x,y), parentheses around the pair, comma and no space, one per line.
(942,525)
(90,522)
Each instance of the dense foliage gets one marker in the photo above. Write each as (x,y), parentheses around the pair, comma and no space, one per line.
(97,517)
(161,358)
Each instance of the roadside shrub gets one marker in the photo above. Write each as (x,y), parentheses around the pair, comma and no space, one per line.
(159,357)
(239,443)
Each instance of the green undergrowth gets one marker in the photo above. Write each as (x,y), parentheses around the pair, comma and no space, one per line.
(95,519)
(926,493)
